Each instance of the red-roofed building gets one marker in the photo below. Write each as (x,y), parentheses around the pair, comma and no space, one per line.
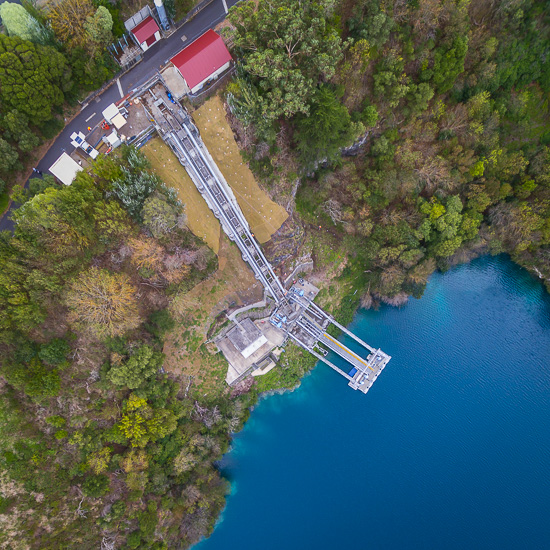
(203,60)
(146,33)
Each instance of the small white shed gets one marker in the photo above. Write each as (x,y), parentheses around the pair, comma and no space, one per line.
(113,116)
(65,169)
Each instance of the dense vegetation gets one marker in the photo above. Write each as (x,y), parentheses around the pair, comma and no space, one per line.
(49,57)
(99,444)
(418,133)
(450,102)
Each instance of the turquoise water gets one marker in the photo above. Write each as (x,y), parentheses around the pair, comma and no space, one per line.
(450,449)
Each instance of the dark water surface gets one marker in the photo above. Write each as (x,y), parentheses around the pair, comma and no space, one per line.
(450,449)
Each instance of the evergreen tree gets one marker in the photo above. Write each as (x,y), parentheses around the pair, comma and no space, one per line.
(286,47)
(33,78)
(327,128)
(142,364)
(19,22)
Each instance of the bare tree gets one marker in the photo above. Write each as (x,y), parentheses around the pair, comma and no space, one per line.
(81,512)
(108,542)
(333,208)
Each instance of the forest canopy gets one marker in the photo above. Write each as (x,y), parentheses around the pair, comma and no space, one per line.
(404,136)
(447,102)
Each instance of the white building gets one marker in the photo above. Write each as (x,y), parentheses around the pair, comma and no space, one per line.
(65,169)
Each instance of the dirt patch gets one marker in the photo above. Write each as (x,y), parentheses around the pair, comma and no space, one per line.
(264,216)
(196,310)
(200,219)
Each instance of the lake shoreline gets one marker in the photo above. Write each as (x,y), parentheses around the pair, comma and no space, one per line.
(375,396)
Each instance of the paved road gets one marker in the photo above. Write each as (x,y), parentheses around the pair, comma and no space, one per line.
(154,58)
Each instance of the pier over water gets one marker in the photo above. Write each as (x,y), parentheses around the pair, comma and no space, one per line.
(296,316)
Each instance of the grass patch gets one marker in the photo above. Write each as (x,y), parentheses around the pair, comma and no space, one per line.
(200,219)
(195,312)
(293,364)
(264,216)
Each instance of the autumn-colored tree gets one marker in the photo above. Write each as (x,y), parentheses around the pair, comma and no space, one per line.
(146,253)
(104,303)
(184,461)
(135,461)
(99,461)
(68,19)
(141,423)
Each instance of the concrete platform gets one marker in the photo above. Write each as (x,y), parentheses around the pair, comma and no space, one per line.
(174,81)
(240,365)
(136,122)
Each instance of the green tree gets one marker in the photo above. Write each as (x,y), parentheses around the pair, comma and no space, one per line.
(326,129)
(419,96)
(33,77)
(369,22)
(56,421)
(160,215)
(142,364)
(112,221)
(390,81)
(58,223)
(19,22)
(448,63)
(286,46)
(34,379)
(96,486)
(160,322)
(89,72)
(36,186)
(369,116)
(55,352)
(9,159)
(17,126)
(133,189)
(447,247)
(99,26)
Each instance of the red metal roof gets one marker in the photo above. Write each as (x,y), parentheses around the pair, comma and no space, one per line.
(147,28)
(201,58)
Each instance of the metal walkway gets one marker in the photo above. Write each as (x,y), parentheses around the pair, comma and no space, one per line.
(302,320)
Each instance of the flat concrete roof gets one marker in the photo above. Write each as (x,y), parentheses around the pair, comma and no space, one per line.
(174,81)
(110,112)
(246,336)
(65,169)
(238,364)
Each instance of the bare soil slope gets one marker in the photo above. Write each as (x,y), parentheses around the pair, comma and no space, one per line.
(263,215)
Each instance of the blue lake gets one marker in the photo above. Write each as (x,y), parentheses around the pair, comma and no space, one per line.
(450,449)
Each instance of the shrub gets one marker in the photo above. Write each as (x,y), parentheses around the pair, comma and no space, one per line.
(96,486)
(54,352)
(56,421)
(134,540)
(160,322)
